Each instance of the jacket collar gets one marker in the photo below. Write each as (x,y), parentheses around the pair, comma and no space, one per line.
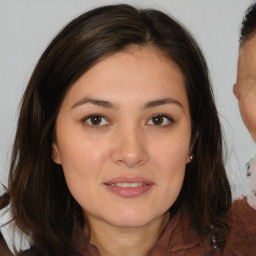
(177,236)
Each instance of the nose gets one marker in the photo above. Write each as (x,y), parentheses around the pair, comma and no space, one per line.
(129,148)
(235,91)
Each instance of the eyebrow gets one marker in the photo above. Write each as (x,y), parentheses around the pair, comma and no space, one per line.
(107,104)
(97,102)
(160,102)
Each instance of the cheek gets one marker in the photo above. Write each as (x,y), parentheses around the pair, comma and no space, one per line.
(172,159)
(78,149)
(248,113)
(173,152)
(82,162)
(82,170)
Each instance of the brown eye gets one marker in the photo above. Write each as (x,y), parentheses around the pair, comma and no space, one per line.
(157,120)
(96,120)
(160,120)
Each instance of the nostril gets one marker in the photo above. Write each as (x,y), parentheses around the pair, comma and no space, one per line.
(130,148)
(130,160)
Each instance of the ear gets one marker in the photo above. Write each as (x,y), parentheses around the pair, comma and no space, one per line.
(55,154)
(192,143)
(190,158)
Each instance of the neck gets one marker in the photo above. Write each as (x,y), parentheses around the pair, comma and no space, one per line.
(112,241)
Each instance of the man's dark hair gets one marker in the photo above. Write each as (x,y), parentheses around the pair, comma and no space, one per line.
(248,26)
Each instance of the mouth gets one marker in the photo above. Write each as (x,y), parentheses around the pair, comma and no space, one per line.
(128,187)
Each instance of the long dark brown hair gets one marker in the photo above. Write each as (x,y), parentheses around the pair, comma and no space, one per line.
(42,205)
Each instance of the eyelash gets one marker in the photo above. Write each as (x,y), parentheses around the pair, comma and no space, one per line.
(164,116)
(88,120)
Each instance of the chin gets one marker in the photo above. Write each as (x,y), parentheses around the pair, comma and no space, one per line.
(129,223)
(132,219)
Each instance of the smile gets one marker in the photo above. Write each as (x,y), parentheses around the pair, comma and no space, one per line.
(129,187)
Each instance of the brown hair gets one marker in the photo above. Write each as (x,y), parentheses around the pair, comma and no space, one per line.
(42,203)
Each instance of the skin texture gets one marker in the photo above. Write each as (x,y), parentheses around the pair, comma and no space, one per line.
(125,143)
(245,88)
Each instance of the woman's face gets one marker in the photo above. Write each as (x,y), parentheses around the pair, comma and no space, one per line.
(123,137)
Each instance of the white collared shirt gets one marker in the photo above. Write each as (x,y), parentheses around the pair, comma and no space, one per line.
(248,187)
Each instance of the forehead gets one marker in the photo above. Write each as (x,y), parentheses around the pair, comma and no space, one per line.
(138,72)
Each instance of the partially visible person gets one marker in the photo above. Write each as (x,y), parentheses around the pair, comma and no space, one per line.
(245,91)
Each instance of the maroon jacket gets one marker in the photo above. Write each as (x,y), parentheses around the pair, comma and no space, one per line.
(179,239)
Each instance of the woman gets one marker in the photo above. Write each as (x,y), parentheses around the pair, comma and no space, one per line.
(118,148)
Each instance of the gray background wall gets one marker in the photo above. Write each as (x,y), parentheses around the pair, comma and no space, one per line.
(27,26)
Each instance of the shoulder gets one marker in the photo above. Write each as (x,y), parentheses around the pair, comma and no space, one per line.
(241,219)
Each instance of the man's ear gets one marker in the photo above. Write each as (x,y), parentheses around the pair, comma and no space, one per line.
(55,154)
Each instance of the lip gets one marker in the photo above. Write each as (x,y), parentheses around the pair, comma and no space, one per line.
(129,192)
